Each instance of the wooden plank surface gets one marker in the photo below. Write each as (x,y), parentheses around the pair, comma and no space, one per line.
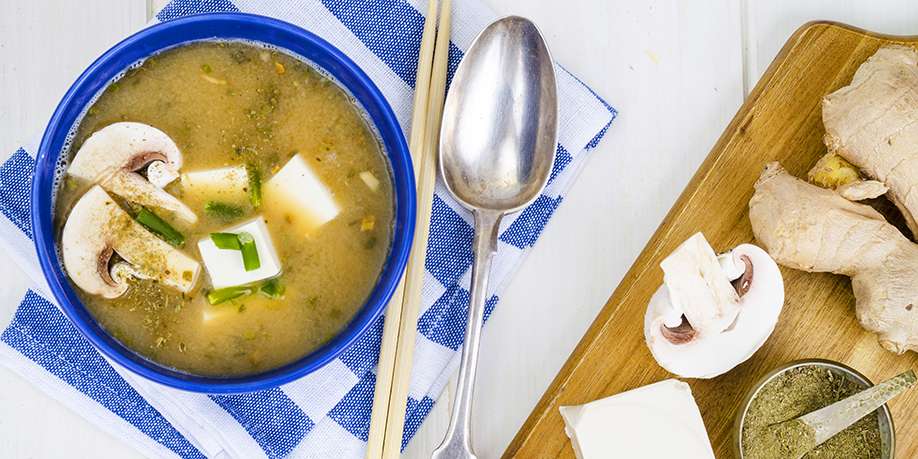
(781,120)
(44,46)
(768,24)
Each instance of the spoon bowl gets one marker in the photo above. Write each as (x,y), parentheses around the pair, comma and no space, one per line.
(497,149)
(498,137)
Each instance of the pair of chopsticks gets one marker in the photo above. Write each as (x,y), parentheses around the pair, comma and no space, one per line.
(396,353)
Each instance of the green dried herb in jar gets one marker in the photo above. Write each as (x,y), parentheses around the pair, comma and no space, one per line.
(794,393)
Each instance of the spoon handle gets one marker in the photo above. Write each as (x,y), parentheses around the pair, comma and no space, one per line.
(828,421)
(457,443)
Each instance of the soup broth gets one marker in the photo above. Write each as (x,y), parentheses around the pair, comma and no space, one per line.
(233,104)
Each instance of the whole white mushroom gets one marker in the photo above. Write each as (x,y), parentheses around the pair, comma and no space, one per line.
(712,313)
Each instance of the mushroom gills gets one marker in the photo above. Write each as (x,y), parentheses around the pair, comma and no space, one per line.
(713,312)
(97,228)
(115,155)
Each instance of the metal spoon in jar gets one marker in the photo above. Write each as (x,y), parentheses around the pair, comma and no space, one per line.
(497,147)
(816,427)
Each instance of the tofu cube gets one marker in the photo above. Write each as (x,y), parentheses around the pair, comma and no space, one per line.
(297,195)
(225,265)
(225,183)
(659,420)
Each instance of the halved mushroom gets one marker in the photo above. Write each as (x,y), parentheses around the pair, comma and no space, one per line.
(115,156)
(712,313)
(98,228)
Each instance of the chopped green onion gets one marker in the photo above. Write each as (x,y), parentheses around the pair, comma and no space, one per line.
(254,185)
(226,241)
(223,210)
(158,226)
(249,251)
(228,293)
(272,288)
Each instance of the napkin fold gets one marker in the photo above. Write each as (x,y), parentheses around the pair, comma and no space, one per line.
(325,414)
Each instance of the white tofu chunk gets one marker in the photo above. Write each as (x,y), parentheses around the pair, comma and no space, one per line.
(225,183)
(225,265)
(297,195)
(660,420)
(369,180)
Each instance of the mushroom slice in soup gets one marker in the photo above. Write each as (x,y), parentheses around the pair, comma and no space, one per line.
(99,228)
(114,156)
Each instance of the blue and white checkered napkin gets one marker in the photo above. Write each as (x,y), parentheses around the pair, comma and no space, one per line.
(325,414)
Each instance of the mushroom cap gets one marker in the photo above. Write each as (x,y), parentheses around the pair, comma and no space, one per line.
(692,353)
(87,246)
(127,146)
(98,228)
(114,155)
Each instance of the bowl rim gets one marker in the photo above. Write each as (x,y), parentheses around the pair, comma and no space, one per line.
(222,26)
(884,413)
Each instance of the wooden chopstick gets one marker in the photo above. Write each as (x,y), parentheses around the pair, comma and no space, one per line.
(414,276)
(397,347)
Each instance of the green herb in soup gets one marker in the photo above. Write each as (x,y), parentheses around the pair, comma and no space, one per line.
(224,180)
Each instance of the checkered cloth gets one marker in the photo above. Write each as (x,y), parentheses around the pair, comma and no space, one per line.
(325,414)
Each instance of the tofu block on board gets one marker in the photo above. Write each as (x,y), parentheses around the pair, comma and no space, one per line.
(660,420)
(297,195)
(225,267)
(224,184)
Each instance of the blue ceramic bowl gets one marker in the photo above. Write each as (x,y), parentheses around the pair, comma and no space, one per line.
(226,27)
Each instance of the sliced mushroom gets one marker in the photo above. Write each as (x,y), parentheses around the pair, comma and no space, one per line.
(712,313)
(97,228)
(115,156)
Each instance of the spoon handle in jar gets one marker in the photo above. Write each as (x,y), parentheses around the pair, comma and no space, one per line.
(457,443)
(828,421)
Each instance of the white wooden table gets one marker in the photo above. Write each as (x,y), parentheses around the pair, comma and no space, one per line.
(676,70)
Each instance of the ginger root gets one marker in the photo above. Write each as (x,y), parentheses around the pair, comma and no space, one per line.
(872,124)
(832,171)
(814,229)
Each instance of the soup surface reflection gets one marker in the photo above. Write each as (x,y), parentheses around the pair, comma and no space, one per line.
(239,105)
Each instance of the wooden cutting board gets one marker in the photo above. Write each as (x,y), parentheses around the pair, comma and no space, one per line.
(781,120)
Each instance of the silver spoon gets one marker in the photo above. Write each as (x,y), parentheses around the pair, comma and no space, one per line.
(497,147)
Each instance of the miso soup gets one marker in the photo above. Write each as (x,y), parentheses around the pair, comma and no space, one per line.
(225,209)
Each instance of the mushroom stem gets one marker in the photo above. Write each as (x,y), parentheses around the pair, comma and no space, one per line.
(133,187)
(698,287)
(160,174)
